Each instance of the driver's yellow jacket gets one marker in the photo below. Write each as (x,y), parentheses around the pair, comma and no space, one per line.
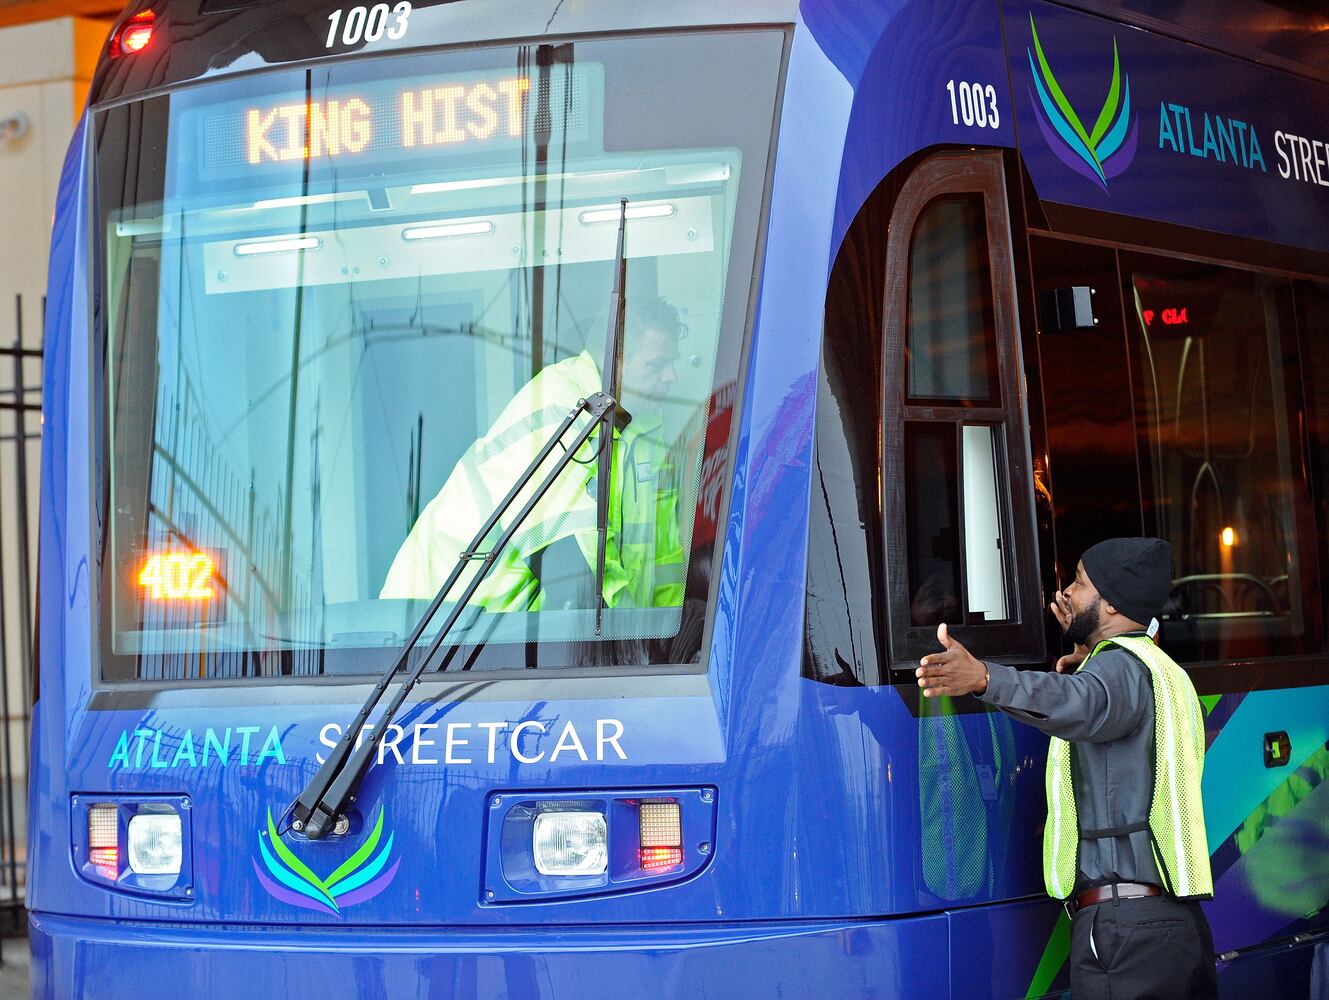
(644,561)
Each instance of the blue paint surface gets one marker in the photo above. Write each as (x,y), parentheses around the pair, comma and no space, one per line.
(75,957)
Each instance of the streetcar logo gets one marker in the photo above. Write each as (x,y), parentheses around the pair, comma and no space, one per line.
(359,878)
(1100,153)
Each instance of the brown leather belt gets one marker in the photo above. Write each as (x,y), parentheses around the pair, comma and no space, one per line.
(1118,890)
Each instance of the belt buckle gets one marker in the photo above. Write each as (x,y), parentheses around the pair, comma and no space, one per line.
(1071,907)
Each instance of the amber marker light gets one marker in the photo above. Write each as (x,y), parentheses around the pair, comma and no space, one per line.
(1228,537)
(177,575)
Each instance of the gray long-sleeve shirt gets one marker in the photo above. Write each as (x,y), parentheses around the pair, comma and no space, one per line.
(1106,711)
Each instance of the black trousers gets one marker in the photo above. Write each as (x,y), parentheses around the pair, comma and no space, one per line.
(1151,948)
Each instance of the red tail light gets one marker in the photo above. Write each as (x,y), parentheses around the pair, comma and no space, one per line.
(134,35)
(106,860)
(655,858)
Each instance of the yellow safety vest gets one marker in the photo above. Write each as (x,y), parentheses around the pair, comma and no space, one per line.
(1176,814)
(644,562)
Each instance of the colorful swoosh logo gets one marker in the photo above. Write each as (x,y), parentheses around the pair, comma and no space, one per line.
(359,878)
(1099,153)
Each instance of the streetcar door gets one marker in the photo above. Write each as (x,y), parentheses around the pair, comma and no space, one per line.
(957,484)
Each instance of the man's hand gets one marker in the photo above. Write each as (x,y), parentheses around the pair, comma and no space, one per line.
(1061,610)
(1068,663)
(952,672)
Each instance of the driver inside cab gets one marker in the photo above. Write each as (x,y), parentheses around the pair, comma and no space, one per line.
(550,561)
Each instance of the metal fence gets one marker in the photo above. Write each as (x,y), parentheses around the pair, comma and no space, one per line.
(20,437)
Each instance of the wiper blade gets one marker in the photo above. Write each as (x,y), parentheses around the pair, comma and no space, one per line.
(333,787)
(611,374)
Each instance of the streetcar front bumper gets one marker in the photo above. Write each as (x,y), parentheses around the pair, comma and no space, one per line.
(77,957)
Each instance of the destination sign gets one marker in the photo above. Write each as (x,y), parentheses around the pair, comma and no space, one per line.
(431,116)
(384,120)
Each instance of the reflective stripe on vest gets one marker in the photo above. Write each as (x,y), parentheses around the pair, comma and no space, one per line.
(1176,813)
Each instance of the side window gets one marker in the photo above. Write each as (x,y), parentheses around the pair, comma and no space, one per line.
(950,334)
(1088,413)
(1217,414)
(1312,303)
(956,483)
(1173,411)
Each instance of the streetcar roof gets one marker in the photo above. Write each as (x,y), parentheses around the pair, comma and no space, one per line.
(221,37)
(216,37)
(1287,34)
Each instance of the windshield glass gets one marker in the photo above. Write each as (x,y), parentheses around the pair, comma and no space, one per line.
(344,307)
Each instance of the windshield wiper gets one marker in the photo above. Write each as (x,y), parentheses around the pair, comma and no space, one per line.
(611,374)
(324,800)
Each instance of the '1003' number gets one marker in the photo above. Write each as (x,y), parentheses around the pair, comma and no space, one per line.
(368,23)
(973,104)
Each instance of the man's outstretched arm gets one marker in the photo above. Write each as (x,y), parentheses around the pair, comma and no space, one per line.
(1099,703)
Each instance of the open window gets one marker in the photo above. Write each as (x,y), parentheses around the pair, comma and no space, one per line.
(957,493)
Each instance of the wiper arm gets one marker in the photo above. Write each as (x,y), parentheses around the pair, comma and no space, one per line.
(332,789)
(611,374)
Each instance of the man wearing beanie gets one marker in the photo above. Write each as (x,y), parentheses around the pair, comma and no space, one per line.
(1124,846)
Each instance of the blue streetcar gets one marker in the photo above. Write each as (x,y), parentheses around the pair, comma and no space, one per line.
(503,461)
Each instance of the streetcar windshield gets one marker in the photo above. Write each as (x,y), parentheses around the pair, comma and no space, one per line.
(343,308)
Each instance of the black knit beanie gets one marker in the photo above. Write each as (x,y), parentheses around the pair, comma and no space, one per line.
(1134,575)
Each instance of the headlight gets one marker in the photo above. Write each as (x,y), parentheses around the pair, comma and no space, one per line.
(155,844)
(571,843)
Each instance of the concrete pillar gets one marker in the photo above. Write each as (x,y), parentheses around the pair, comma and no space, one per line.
(45,70)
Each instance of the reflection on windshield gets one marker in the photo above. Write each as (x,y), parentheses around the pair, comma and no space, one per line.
(320,385)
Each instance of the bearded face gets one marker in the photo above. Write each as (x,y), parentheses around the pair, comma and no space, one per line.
(1084,624)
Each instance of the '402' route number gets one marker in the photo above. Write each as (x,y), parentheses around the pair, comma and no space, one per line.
(369,23)
(973,104)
